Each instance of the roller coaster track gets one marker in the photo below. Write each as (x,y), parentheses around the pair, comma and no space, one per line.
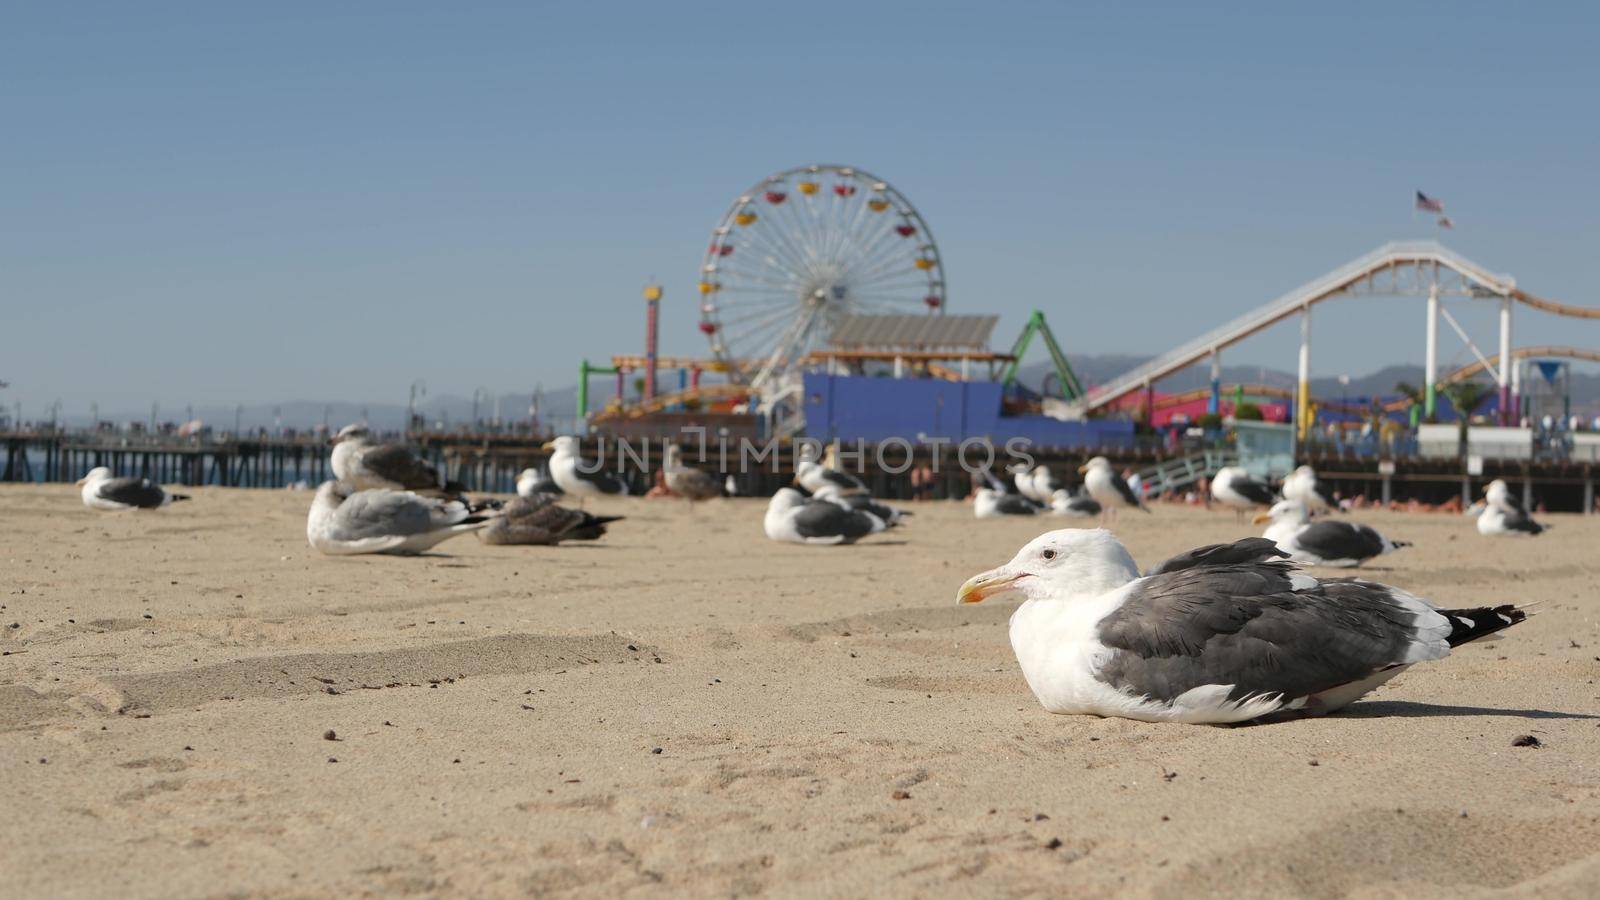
(1472,369)
(662,402)
(1403,268)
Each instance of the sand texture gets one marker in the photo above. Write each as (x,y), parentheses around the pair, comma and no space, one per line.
(688,708)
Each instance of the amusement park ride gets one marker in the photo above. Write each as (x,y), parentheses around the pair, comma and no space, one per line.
(793,257)
(808,254)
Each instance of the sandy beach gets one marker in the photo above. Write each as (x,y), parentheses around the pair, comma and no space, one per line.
(688,708)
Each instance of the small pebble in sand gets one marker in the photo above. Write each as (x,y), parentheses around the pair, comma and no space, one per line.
(1055,844)
(1526,740)
(330,735)
(901,795)
(656,750)
(333,759)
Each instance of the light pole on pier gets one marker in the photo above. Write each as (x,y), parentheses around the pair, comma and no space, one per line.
(419,388)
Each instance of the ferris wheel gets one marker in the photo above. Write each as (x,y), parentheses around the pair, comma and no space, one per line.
(802,249)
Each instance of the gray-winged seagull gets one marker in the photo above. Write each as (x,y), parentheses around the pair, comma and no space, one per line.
(102,491)
(988,503)
(1223,634)
(1302,485)
(1109,488)
(689,483)
(539,520)
(1233,487)
(576,477)
(1503,513)
(1324,543)
(364,463)
(793,517)
(346,522)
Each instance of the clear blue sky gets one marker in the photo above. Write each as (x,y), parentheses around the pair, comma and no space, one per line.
(214,203)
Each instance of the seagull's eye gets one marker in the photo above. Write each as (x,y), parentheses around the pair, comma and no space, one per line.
(1049,554)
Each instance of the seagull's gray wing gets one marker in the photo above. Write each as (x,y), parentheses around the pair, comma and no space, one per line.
(140,492)
(375,514)
(399,464)
(1248,550)
(1126,490)
(821,519)
(1339,540)
(1015,505)
(1255,491)
(1258,628)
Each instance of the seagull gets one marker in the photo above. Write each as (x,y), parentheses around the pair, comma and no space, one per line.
(1078,504)
(347,522)
(1022,483)
(1233,486)
(1106,486)
(363,463)
(1226,633)
(861,502)
(540,520)
(1325,543)
(1302,485)
(533,482)
(102,491)
(989,503)
(691,484)
(1043,484)
(792,517)
(570,473)
(1502,513)
(813,476)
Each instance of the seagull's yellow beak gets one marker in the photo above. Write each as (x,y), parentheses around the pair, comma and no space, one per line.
(981,587)
(1083,468)
(548,445)
(1261,518)
(83,481)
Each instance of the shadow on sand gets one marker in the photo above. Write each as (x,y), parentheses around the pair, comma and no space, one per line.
(1409,709)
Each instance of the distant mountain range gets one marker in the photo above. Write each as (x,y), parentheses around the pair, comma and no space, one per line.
(558,408)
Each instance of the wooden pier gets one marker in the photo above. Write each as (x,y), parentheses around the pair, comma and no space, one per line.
(491,462)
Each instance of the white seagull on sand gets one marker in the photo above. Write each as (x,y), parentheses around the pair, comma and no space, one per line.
(102,491)
(1225,633)
(988,503)
(346,522)
(1503,514)
(1077,505)
(814,476)
(793,517)
(1233,487)
(1034,482)
(1109,488)
(575,477)
(1324,543)
(532,483)
(1302,485)
(362,462)
(862,502)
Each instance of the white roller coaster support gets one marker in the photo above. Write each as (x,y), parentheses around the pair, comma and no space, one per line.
(1516,391)
(1302,397)
(1503,376)
(1430,365)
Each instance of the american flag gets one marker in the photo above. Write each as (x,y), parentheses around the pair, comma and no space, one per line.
(1429,204)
